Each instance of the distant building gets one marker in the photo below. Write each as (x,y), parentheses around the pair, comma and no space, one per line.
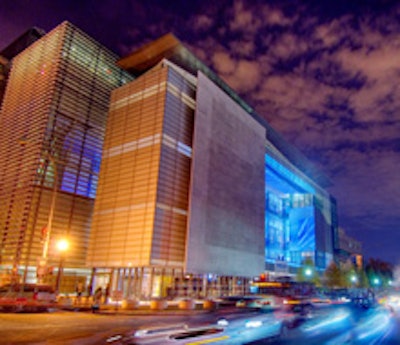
(12,50)
(4,63)
(197,193)
(52,125)
(348,249)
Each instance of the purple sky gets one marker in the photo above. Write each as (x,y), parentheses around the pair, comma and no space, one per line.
(323,73)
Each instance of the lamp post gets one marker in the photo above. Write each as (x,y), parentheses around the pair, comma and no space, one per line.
(376,282)
(42,262)
(353,280)
(50,159)
(308,272)
(62,246)
(48,228)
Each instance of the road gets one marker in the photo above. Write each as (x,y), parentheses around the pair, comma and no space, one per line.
(75,328)
(346,325)
(331,326)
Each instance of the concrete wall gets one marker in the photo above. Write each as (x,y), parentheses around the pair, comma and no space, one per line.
(226,218)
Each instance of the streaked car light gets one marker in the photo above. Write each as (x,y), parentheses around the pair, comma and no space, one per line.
(253,323)
(223,322)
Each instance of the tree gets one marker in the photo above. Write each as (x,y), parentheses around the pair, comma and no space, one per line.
(363,278)
(350,276)
(379,272)
(308,273)
(333,276)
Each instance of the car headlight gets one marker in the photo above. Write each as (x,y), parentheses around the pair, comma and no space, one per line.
(223,322)
(253,324)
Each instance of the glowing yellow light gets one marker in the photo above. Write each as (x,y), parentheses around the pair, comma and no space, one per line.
(62,245)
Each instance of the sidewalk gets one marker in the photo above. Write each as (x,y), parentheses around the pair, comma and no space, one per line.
(145,307)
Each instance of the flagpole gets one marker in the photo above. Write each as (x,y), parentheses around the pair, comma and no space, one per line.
(46,243)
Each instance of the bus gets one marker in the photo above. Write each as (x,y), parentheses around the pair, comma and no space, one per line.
(283,288)
(271,295)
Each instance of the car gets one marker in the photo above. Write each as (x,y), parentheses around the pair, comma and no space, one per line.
(364,298)
(392,302)
(257,326)
(233,329)
(172,334)
(301,305)
(27,297)
(248,302)
(262,302)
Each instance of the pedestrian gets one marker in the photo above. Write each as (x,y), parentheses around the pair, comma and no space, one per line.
(107,293)
(97,299)
(89,290)
(79,291)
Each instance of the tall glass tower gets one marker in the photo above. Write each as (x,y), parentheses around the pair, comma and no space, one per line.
(53,120)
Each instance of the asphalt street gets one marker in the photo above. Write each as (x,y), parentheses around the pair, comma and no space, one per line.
(376,326)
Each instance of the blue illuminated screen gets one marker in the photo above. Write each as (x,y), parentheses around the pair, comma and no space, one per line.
(289,215)
(80,175)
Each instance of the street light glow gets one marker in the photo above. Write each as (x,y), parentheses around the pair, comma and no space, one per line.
(62,245)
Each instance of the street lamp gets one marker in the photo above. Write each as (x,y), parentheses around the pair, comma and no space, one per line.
(62,246)
(48,227)
(42,264)
(308,272)
(353,279)
(50,159)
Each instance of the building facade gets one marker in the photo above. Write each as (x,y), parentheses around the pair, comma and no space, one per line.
(52,123)
(12,50)
(347,249)
(197,193)
(4,63)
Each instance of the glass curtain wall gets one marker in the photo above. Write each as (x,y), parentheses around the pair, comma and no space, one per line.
(290,222)
(53,119)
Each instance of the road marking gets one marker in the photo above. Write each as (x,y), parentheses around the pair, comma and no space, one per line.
(207,341)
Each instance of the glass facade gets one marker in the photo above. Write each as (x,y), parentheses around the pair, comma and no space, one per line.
(294,228)
(53,121)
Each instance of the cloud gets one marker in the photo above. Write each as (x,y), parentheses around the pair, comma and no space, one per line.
(243,48)
(242,75)
(369,53)
(274,16)
(202,22)
(378,66)
(244,19)
(294,94)
(224,63)
(289,45)
(333,33)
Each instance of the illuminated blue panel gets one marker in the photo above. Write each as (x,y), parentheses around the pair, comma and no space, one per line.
(80,175)
(286,176)
(289,215)
(302,233)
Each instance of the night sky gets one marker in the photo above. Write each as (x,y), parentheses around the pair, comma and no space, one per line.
(325,74)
